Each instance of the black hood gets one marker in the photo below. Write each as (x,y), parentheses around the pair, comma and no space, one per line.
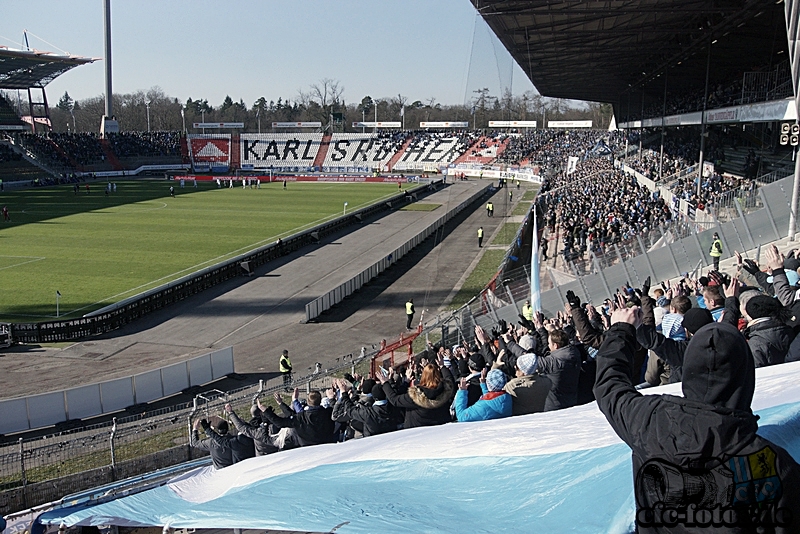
(718,368)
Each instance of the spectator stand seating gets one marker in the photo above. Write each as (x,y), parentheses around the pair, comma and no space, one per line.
(285,151)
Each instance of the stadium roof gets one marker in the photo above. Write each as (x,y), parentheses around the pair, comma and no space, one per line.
(23,69)
(603,50)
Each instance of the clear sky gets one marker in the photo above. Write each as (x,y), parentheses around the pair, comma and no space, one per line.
(422,49)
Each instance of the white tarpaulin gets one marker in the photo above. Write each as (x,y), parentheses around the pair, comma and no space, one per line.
(547,472)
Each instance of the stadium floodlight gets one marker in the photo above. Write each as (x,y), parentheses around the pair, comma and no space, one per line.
(147,105)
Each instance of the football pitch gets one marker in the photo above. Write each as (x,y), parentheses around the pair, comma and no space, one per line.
(96,249)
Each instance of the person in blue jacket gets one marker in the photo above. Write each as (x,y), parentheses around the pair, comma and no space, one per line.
(493,404)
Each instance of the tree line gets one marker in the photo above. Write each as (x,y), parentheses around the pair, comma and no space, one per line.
(323,102)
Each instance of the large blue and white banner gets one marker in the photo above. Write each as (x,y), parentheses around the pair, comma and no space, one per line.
(548,472)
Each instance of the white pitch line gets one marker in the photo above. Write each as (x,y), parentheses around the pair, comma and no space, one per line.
(35,259)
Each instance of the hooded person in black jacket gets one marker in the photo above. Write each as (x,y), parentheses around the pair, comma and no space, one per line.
(698,464)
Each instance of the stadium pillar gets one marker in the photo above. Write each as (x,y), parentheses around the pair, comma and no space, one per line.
(663,130)
(792,10)
(703,125)
(107,31)
(108,124)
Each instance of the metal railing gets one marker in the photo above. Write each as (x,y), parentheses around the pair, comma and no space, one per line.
(78,456)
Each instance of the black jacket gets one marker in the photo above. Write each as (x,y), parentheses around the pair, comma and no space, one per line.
(225,450)
(688,453)
(376,419)
(258,433)
(424,406)
(769,340)
(563,368)
(312,426)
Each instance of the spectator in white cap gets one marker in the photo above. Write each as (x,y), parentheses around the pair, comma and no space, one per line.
(495,403)
(528,390)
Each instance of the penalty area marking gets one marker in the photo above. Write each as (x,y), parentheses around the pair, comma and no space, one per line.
(29,259)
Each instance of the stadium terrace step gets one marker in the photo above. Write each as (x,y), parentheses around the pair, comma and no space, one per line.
(185,151)
(399,153)
(111,158)
(324,146)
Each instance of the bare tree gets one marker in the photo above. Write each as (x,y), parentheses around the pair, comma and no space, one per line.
(323,99)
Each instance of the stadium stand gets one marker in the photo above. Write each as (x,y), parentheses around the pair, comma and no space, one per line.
(9,117)
(485,150)
(428,151)
(279,151)
(363,150)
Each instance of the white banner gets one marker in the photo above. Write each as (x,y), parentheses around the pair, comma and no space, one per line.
(444,124)
(376,125)
(512,124)
(569,124)
(211,125)
(297,125)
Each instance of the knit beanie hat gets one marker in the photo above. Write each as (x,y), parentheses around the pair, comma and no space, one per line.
(366,385)
(476,361)
(528,363)
(762,306)
(378,393)
(696,318)
(495,380)
(526,342)
(791,264)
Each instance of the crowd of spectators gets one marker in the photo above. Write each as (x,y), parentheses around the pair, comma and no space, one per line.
(145,144)
(597,205)
(539,365)
(7,154)
(83,148)
(722,93)
(43,147)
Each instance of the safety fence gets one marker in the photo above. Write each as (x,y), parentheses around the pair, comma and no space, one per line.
(316,307)
(667,253)
(84,402)
(36,470)
(126,311)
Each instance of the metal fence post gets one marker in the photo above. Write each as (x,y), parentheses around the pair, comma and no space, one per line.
(113,452)
(24,475)
(769,213)
(746,227)
(646,257)
(510,296)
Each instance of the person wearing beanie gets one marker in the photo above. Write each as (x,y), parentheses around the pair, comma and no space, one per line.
(495,403)
(376,418)
(528,390)
(687,451)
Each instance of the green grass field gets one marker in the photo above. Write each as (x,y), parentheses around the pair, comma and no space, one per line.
(97,249)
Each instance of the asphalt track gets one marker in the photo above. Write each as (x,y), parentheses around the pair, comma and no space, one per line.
(263,314)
